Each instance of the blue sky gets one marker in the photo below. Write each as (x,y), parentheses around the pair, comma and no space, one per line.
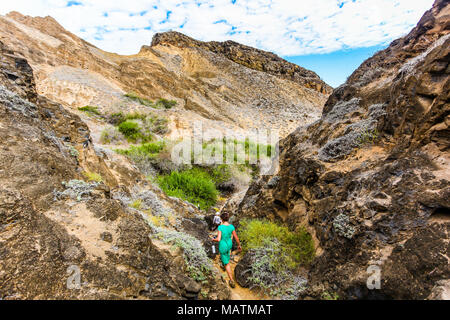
(335,67)
(331,37)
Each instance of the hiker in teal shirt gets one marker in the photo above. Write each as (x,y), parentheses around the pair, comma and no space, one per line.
(225,239)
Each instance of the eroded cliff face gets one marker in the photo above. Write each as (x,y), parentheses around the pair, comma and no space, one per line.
(54,225)
(228,86)
(370,179)
(249,57)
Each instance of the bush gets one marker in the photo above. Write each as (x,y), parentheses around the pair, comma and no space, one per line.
(136,116)
(267,275)
(275,253)
(368,137)
(111,135)
(143,101)
(193,185)
(297,247)
(147,150)
(129,129)
(92,176)
(157,125)
(133,132)
(76,190)
(139,126)
(166,104)
(144,156)
(136,204)
(116,118)
(248,150)
(330,296)
(198,265)
(221,174)
(90,110)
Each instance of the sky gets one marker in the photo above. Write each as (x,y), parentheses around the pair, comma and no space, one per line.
(330,37)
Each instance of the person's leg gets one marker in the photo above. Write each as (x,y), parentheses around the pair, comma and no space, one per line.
(228,269)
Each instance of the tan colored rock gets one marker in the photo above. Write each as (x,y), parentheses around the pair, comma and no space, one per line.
(63,238)
(228,86)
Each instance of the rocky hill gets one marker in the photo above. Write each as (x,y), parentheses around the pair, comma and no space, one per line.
(78,219)
(249,57)
(362,183)
(63,236)
(225,85)
(370,179)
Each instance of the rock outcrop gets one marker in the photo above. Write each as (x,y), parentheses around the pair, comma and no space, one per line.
(61,237)
(228,86)
(370,179)
(249,57)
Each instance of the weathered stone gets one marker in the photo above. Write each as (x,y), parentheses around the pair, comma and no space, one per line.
(368,179)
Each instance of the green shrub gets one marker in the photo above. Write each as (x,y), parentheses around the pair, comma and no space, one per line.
(221,174)
(166,104)
(136,116)
(90,110)
(139,126)
(368,137)
(133,132)
(248,150)
(136,204)
(144,156)
(116,118)
(266,273)
(193,185)
(330,296)
(130,130)
(92,176)
(149,150)
(143,101)
(297,247)
(72,150)
(275,254)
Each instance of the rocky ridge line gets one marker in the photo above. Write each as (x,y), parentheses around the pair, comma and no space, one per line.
(249,57)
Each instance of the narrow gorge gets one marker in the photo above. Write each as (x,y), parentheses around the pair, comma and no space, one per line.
(93,204)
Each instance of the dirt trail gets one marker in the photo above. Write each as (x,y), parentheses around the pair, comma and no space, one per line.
(238,293)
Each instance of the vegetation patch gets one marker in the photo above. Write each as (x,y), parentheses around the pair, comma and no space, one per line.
(138,127)
(72,150)
(146,150)
(134,132)
(266,275)
(143,101)
(90,110)
(111,135)
(233,151)
(276,254)
(298,247)
(198,265)
(116,118)
(166,104)
(193,185)
(136,204)
(92,176)
(76,190)
(329,296)
(368,137)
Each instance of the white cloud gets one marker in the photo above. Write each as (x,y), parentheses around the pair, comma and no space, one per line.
(285,27)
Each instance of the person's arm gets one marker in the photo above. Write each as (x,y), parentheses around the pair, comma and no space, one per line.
(219,236)
(237,240)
